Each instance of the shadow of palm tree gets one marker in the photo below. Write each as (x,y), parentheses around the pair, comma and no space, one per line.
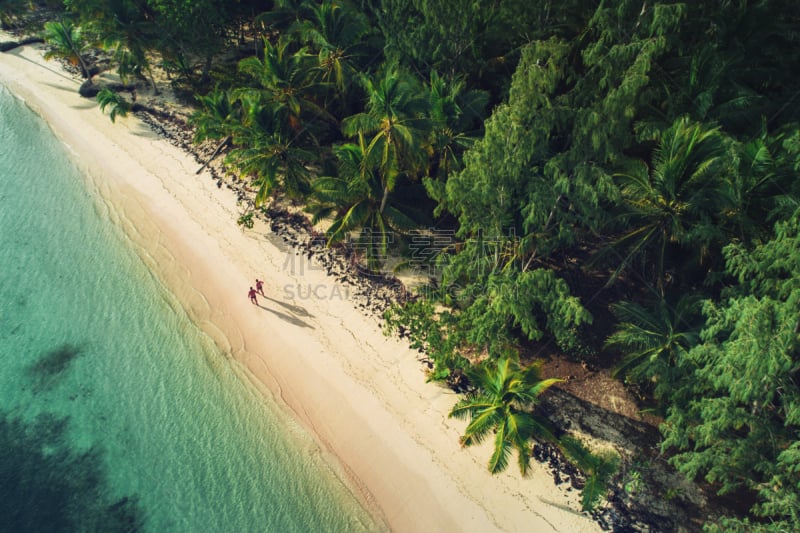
(18,52)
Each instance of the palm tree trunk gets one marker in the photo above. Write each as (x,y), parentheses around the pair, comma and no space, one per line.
(225,141)
(84,67)
(385,197)
(76,51)
(152,81)
(205,75)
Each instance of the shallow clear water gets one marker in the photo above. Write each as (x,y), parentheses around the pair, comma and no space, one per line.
(116,412)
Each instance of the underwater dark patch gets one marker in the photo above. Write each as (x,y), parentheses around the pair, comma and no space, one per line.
(47,486)
(51,366)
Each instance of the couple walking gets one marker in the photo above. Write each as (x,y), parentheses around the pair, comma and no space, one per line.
(259,288)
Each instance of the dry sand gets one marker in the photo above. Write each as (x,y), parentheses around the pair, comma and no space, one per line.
(361,394)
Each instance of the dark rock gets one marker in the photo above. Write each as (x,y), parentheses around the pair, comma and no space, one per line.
(5,46)
(89,89)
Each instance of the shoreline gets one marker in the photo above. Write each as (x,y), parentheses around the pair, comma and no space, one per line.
(362,395)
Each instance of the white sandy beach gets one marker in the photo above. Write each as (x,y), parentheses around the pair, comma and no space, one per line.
(361,394)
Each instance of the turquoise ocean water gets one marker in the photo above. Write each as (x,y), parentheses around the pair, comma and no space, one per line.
(116,412)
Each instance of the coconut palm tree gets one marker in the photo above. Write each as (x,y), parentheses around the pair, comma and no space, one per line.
(126,28)
(118,106)
(396,119)
(678,202)
(352,200)
(284,14)
(266,148)
(654,341)
(765,186)
(216,117)
(503,404)
(454,113)
(338,32)
(290,81)
(67,41)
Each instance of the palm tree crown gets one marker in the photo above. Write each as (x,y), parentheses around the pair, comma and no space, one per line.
(502,404)
(396,118)
(656,340)
(67,41)
(287,79)
(353,201)
(679,202)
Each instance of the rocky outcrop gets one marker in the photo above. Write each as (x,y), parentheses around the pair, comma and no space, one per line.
(647,494)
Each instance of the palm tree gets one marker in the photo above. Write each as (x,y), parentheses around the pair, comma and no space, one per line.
(67,41)
(680,201)
(268,149)
(284,14)
(654,341)
(338,32)
(396,118)
(353,201)
(765,186)
(120,107)
(502,404)
(287,79)
(454,111)
(128,30)
(216,117)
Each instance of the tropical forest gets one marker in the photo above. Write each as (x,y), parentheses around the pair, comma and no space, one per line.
(609,182)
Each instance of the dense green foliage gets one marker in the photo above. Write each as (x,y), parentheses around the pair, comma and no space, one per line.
(736,417)
(634,161)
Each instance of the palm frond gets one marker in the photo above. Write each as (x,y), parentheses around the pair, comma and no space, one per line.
(502,449)
(360,123)
(119,106)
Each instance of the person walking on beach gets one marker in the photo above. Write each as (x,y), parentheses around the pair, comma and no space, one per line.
(252,296)
(260,287)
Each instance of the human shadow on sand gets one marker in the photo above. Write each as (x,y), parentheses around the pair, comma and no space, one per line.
(294,309)
(288,318)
